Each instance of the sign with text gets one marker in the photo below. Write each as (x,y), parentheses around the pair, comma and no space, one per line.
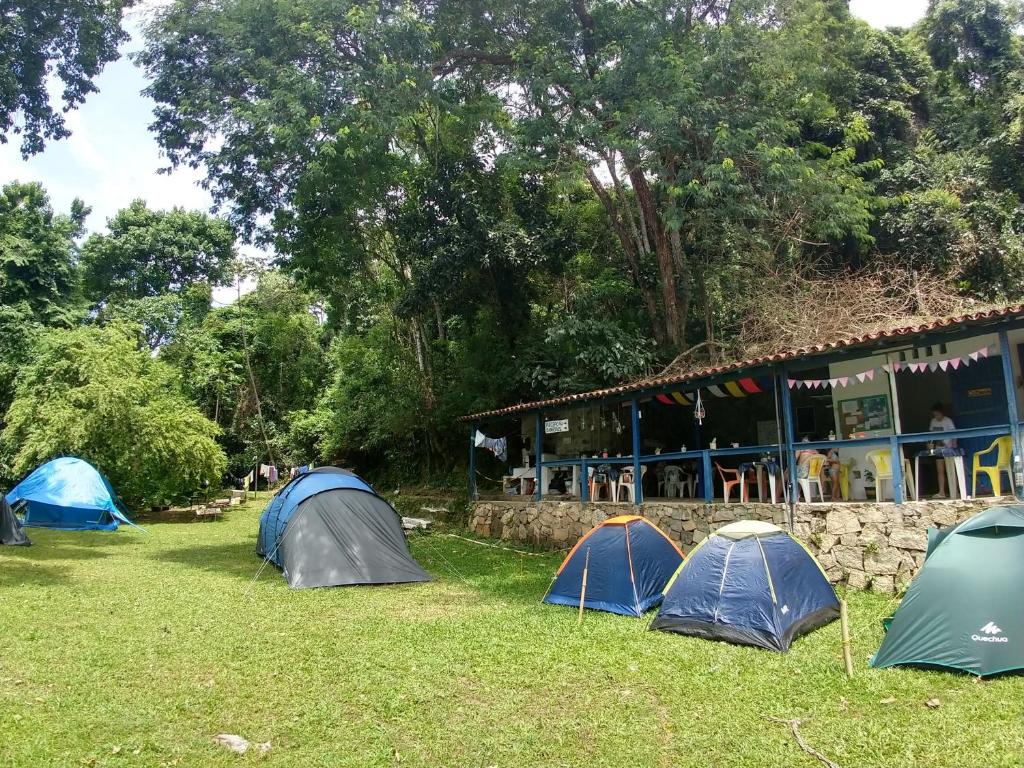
(556,425)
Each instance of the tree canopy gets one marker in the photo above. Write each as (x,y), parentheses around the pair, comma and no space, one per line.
(146,253)
(67,40)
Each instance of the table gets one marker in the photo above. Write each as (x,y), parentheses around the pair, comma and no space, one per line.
(954,469)
(760,466)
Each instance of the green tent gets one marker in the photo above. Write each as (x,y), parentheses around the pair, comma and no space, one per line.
(963,611)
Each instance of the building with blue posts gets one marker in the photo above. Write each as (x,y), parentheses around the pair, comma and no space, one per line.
(901,414)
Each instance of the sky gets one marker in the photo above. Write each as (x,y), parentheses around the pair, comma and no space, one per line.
(111,158)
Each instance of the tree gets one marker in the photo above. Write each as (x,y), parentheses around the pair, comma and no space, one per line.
(250,364)
(147,253)
(713,129)
(93,393)
(37,253)
(70,40)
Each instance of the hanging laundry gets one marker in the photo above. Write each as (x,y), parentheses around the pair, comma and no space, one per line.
(496,445)
(269,471)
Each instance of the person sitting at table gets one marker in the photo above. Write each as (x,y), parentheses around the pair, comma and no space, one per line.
(942,423)
(803,461)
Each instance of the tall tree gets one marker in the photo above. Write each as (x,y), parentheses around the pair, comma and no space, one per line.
(703,126)
(67,40)
(38,252)
(146,253)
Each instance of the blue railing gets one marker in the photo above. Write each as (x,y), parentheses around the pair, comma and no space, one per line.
(706,457)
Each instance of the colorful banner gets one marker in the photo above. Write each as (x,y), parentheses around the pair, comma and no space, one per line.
(949,363)
(734,388)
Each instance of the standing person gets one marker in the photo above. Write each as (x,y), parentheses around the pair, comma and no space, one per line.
(942,423)
(833,468)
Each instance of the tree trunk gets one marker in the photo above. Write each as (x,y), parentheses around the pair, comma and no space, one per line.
(631,247)
(663,253)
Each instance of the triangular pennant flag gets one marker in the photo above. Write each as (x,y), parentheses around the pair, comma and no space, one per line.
(933,366)
(887,368)
(843,380)
(870,374)
(862,376)
(943,364)
(983,352)
(954,363)
(974,356)
(792,383)
(832,382)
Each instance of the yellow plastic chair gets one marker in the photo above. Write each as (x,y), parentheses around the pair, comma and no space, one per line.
(815,465)
(1003,446)
(844,478)
(881,462)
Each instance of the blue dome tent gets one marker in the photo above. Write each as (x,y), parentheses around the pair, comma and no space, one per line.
(749,583)
(67,493)
(328,528)
(628,561)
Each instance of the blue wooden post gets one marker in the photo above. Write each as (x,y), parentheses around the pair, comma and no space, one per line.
(1011,402)
(584,480)
(788,435)
(897,470)
(707,481)
(472,462)
(538,447)
(638,486)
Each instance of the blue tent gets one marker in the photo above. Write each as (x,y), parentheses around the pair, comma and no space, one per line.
(67,493)
(628,561)
(749,583)
(328,528)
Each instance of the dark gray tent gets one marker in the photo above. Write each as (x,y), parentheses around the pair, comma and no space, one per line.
(328,528)
(10,529)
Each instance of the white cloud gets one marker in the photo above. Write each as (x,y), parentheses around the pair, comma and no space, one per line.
(889,13)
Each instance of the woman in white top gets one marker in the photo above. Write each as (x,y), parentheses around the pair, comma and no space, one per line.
(941,423)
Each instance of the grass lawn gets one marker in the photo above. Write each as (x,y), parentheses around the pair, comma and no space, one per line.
(124,649)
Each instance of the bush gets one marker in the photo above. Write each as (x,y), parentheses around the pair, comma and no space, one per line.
(93,393)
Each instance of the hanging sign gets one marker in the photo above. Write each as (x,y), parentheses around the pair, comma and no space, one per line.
(556,425)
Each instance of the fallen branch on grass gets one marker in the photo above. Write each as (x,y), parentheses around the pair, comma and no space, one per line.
(794,726)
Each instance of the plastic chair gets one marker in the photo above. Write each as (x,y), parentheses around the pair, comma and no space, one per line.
(844,478)
(626,484)
(1003,446)
(737,479)
(881,461)
(815,464)
(599,480)
(671,482)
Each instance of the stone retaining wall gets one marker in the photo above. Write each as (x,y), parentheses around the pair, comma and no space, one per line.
(865,545)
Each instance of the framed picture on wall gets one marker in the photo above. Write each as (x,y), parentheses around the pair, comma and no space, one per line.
(859,415)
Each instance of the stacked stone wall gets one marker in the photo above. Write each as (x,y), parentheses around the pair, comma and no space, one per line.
(879,546)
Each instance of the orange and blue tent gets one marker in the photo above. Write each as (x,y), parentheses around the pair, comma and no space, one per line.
(627,559)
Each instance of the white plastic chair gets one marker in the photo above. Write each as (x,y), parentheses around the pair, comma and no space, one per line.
(626,484)
(671,482)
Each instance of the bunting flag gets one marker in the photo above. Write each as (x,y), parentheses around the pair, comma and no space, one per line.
(949,363)
(734,388)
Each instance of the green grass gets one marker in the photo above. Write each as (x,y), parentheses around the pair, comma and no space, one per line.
(124,649)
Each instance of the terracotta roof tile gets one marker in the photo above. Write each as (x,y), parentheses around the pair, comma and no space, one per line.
(655,382)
